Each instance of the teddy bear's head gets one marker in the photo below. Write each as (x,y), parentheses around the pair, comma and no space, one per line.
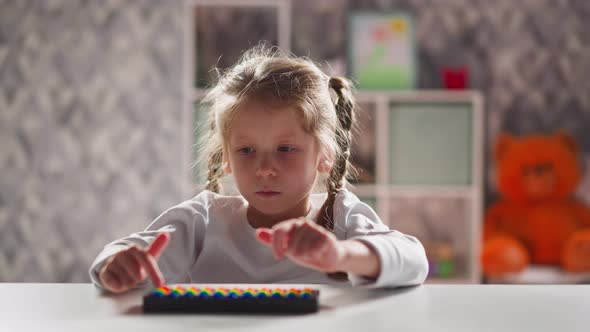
(537,167)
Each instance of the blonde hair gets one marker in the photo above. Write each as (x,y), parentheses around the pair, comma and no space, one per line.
(271,75)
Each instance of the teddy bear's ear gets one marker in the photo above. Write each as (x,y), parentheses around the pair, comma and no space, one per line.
(567,140)
(502,144)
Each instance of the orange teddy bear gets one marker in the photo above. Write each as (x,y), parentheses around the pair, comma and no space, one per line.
(537,220)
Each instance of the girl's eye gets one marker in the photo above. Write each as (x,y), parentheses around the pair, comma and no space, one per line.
(246,150)
(286,149)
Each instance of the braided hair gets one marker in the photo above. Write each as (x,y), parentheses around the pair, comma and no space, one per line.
(345,112)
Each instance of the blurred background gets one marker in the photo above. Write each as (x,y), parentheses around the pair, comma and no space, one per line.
(97,117)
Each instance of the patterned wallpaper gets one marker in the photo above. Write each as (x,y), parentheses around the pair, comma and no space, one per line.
(90,107)
(91,104)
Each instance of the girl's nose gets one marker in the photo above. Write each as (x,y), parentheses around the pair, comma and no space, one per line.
(265,168)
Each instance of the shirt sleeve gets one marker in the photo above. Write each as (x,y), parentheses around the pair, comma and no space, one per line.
(402,257)
(186,223)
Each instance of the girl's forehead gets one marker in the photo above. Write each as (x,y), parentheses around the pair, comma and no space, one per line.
(258,120)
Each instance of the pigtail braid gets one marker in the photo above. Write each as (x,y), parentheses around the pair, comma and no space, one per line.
(344,110)
(214,171)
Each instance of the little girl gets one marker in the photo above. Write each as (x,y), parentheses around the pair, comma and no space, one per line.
(278,125)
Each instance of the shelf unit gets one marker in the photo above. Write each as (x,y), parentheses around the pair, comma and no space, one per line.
(382,192)
(453,198)
(191,93)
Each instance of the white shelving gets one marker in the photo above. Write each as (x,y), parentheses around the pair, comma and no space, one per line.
(191,94)
(466,196)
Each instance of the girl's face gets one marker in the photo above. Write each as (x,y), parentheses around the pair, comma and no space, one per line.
(274,161)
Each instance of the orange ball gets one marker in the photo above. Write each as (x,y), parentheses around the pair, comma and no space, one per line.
(502,255)
(576,253)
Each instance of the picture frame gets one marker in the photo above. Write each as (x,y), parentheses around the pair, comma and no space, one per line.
(220,30)
(382,51)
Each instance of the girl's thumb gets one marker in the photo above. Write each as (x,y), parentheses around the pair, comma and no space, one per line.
(264,235)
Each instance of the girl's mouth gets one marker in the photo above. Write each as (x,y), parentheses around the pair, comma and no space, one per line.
(267,193)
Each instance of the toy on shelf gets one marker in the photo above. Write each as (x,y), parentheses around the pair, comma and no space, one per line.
(177,298)
(440,260)
(455,78)
(537,220)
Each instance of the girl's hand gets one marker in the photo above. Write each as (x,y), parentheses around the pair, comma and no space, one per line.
(304,242)
(127,268)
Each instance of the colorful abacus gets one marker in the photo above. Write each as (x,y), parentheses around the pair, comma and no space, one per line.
(220,299)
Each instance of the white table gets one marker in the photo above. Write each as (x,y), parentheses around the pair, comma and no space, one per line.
(541,274)
(81,307)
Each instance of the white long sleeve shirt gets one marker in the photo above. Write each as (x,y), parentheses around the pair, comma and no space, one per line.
(212,242)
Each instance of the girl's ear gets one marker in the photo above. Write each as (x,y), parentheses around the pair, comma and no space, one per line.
(225,166)
(325,165)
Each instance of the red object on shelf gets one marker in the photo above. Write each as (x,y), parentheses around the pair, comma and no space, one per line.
(455,78)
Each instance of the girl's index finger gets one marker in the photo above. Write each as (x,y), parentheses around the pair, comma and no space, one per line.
(148,262)
(160,242)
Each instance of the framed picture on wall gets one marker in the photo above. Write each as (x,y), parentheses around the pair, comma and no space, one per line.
(382,51)
(223,29)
